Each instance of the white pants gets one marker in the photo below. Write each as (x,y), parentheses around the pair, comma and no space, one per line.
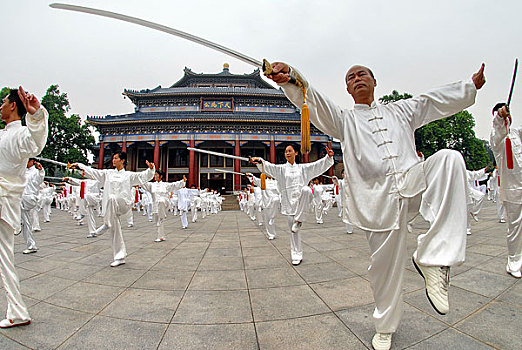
(194,211)
(259,213)
(116,208)
(16,308)
(500,210)
(46,208)
(160,219)
(28,204)
(183,216)
(269,216)
(318,208)
(443,205)
(303,207)
(36,219)
(251,211)
(514,235)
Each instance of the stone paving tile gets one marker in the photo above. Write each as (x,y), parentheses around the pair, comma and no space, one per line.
(221,337)
(219,280)
(207,307)
(329,271)
(316,332)
(110,333)
(164,280)
(285,302)
(346,293)
(115,276)
(483,282)
(43,286)
(86,297)
(450,339)
(221,263)
(144,305)
(8,344)
(498,324)
(273,277)
(265,262)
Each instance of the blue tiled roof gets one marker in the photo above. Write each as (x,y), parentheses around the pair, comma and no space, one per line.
(206,91)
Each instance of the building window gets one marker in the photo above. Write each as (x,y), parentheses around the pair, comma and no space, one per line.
(178,158)
(143,155)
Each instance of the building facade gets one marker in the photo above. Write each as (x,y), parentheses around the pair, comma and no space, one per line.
(237,114)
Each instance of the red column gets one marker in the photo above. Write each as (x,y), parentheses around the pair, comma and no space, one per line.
(306,158)
(237,167)
(331,170)
(124,147)
(156,154)
(192,164)
(100,155)
(272,151)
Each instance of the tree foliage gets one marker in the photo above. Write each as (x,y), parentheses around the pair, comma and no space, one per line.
(455,132)
(3,93)
(69,139)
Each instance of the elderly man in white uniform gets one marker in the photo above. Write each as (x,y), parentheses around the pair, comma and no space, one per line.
(385,172)
(117,198)
(511,182)
(270,202)
(17,144)
(34,175)
(184,198)
(296,196)
(495,189)
(160,192)
(47,193)
(338,190)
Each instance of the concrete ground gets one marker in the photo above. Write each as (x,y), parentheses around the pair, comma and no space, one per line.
(221,284)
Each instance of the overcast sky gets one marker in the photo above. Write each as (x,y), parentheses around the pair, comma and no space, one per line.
(410,45)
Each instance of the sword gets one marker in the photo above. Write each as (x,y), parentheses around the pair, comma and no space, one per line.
(512,82)
(218,154)
(264,65)
(68,165)
(229,172)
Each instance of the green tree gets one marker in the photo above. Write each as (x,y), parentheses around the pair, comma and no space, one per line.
(69,139)
(3,93)
(455,132)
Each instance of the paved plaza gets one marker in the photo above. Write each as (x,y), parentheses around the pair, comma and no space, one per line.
(221,284)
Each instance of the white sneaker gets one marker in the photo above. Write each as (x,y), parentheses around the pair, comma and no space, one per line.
(130,225)
(159,240)
(296,262)
(382,341)
(437,283)
(117,262)
(296,226)
(502,221)
(271,237)
(516,274)
(91,235)
(8,323)
(468,232)
(260,224)
(475,217)
(101,230)
(319,222)
(29,251)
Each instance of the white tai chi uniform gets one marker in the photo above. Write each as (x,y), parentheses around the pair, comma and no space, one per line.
(47,194)
(17,144)
(258,208)
(251,200)
(146,199)
(270,202)
(34,178)
(195,205)
(475,197)
(381,162)
(160,192)
(117,199)
(510,187)
(296,195)
(317,201)
(184,196)
(89,202)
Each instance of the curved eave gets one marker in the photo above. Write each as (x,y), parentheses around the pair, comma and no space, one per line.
(119,122)
(133,95)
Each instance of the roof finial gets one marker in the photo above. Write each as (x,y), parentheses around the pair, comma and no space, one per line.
(225,66)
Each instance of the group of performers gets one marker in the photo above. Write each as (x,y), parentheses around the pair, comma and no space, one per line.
(386,185)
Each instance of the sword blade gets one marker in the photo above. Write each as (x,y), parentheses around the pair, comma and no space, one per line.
(161,28)
(51,161)
(512,82)
(217,154)
(229,172)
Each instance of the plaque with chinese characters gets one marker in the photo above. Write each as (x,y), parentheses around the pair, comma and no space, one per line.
(217,105)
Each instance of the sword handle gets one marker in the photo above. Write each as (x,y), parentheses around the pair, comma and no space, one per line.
(267,70)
